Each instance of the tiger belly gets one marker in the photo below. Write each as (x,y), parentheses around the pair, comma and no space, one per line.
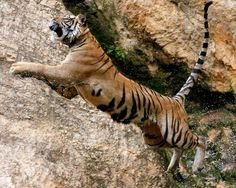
(152,135)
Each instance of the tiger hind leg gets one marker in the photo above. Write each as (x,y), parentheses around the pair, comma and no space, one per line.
(174,162)
(199,156)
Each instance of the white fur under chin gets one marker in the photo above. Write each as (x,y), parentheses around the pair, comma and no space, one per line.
(54,38)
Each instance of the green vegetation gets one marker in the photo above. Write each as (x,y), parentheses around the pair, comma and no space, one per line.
(115,52)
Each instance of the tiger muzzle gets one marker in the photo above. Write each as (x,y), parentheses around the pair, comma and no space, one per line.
(54,26)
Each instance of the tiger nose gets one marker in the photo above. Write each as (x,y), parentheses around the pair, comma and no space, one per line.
(53,25)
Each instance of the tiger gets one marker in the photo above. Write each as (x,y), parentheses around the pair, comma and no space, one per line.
(163,120)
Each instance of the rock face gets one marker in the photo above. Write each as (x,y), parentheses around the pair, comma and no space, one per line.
(172,31)
(49,141)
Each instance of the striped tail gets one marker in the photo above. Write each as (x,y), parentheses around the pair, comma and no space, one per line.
(184,91)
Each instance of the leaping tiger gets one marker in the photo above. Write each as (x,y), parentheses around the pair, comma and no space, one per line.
(162,119)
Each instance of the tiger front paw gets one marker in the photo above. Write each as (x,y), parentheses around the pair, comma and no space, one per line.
(19,67)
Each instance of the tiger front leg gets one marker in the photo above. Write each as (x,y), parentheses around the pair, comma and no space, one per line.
(59,73)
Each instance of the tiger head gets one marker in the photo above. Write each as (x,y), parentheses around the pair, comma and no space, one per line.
(66,29)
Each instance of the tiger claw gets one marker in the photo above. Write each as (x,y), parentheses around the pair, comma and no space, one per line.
(12,69)
(17,68)
(198,170)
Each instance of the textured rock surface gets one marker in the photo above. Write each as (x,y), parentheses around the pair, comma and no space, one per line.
(171,32)
(49,141)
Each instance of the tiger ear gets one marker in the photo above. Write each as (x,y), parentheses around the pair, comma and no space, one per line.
(82,19)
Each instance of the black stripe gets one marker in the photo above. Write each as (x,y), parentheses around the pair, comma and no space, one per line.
(192,78)
(157,98)
(197,141)
(67,24)
(111,105)
(108,69)
(203,53)
(176,99)
(177,127)
(122,101)
(207,6)
(105,62)
(83,42)
(181,97)
(190,146)
(126,121)
(206,24)
(107,108)
(185,138)
(144,100)
(139,102)
(191,142)
(205,15)
(200,61)
(114,116)
(102,107)
(140,87)
(122,114)
(149,107)
(100,59)
(133,113)
(151,97)
(179,136)
(205,45)
(194,143)
(173,136)
(153,103)
(175,131)
(207,35)
(197,71)
(166,130)
(145,89)
(149,91)
(64,24)
(144,108)
(152,91)
(116,72)
(173,118)
(162,143)
(144,115)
